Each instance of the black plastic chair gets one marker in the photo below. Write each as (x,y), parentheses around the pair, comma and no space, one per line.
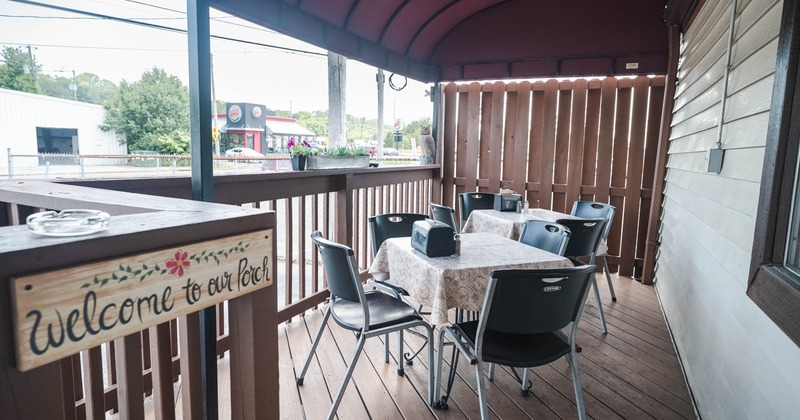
(520,326)
(583,241)
(549,236)
(590,210)
(474,201)
(444,214)
(381,228)
(367,314)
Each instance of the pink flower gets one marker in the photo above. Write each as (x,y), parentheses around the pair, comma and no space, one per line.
(179,263)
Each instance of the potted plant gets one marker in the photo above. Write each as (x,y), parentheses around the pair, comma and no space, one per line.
(339,157)
(299,150)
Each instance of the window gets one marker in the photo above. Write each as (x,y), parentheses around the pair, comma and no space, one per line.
(775,265)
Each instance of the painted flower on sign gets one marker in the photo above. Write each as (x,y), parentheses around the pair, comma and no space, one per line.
(178,264)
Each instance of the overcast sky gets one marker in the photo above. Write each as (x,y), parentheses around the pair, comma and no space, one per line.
(63,42)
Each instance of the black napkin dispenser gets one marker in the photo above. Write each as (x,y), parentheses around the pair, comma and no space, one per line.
(432,238)
(506,202)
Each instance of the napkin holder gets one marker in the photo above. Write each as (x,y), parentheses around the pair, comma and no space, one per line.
(506,202)
(432,238)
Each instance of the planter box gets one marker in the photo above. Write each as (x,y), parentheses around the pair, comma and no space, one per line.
(335,162)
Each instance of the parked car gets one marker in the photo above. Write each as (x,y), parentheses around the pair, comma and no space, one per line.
(372,150)
(391,151)
(245,152)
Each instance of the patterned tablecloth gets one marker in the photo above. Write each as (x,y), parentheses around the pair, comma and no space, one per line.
(509,223)
(457,281)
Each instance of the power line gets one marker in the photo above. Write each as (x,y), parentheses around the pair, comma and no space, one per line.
(85,18)
(161,27)
(218,19)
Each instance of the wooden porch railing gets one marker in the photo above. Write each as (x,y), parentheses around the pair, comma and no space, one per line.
(336,202)
(114,375)
(558,142)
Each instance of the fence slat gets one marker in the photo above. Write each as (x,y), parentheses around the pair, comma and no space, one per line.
(548,144)
(633,193)
(536,144)
(560,160)
(590,140)
(449,144)
(619,166)
(470,139)
(520,141)
(160,354)
(129,376)
(191,383)
(301,246)
(576,135)
(509,125)
(289,239)
(495,139)
(605,139)
(94,399)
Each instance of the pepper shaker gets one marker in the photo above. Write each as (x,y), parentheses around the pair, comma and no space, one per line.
(457,238)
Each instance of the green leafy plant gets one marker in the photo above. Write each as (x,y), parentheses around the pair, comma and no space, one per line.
(343,151)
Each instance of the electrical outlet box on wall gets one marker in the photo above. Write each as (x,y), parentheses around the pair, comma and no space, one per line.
(715,160)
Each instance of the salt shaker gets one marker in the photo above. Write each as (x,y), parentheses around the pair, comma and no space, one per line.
(525,208)
(457,238)
(519,206)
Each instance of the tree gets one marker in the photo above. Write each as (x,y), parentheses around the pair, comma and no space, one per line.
(151,114)
(16,72)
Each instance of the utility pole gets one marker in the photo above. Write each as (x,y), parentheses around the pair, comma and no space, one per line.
(380,78)
(74,86)
(33,68)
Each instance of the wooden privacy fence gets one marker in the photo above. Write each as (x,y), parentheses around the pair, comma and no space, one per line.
(557,142)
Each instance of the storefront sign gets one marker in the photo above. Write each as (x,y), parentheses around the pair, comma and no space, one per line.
(59,313)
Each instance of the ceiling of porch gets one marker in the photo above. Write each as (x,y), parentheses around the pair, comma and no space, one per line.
(439,40)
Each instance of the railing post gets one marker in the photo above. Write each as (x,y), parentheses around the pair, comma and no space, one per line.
(344,211)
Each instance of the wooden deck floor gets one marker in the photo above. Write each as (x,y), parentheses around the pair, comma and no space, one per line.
(632,372)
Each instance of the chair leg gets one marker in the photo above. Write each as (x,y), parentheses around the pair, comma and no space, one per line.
(400,358)
(439,364)
(350,367)
(599,305)
(481,390)
(608,277)
(524,389)
(491,372)
(386,348)
(314,345)
(576,383)
(431,379)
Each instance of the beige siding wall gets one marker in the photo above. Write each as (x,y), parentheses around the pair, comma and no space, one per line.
(738,363)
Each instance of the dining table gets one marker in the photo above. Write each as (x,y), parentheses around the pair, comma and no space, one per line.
(457,281)
(510,224)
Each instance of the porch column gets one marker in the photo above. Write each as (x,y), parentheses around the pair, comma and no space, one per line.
(337,81)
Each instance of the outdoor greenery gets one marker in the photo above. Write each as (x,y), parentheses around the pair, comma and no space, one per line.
(15,71)
(341,151)
(16,74)
(151,114)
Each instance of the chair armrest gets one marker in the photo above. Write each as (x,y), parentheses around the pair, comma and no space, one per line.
(387,287)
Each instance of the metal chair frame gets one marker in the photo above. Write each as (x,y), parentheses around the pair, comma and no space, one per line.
(592,209)
(501,319)
(364,332)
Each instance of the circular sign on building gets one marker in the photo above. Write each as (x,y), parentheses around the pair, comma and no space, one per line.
(235,113)
(256,111)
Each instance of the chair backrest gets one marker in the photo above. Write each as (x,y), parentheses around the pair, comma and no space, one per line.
(391,225)
(534,301)
(545,235)
(585,235)
(444,214)
(474,201)
(594,209)
(341,270)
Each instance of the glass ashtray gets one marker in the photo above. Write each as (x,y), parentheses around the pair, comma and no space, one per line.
(73,222)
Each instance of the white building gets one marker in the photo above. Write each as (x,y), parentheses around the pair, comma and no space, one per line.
(34,124)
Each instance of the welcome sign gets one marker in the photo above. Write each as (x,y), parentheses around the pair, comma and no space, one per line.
(59,313)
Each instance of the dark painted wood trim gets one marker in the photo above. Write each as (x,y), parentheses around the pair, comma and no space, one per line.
(776,290)
(651,243)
